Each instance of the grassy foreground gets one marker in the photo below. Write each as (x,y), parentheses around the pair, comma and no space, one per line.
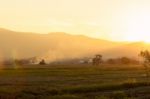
(74,82)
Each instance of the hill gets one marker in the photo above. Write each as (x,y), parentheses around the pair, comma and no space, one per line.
(59,46)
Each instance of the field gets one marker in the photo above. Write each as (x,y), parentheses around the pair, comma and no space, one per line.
(74,82)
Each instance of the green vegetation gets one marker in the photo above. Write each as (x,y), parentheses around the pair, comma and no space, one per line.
(75,82)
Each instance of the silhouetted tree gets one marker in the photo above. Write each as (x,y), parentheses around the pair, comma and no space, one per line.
(97,60)
(146,55)
(122,60)
(146,62)
(42,62)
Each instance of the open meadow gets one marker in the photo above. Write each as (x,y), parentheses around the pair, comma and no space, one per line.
(74,82)
(74,49)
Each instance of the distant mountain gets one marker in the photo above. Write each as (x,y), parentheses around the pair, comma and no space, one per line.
(59,46)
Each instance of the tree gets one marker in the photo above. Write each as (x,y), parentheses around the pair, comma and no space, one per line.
(42,62)
(122,60)
(146,62)
(146,55)
(125,60)
(97,60)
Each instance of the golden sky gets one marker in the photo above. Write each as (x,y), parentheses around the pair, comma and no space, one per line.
(127,20)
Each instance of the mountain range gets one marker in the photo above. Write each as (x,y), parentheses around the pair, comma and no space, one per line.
(59,46)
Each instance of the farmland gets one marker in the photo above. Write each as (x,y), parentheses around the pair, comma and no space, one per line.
(74,82)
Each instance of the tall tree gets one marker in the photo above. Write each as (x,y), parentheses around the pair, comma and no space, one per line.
(146,62)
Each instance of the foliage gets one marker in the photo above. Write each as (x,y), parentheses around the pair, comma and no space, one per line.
(42,62)
(122,60)
(146,55)
(97,60)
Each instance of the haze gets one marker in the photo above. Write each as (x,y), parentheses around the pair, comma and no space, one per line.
(119,20)
(60,46)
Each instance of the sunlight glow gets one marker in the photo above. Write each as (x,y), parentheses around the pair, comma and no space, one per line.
(119,20)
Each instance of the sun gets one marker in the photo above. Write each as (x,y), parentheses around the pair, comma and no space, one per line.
(147,41)
(137,24)
(136,37)
(138,34)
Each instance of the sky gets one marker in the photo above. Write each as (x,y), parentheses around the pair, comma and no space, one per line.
(117,20)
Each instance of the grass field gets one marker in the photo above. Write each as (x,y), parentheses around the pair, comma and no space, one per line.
(74,82)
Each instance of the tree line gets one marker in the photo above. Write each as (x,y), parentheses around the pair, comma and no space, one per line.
(97,60)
